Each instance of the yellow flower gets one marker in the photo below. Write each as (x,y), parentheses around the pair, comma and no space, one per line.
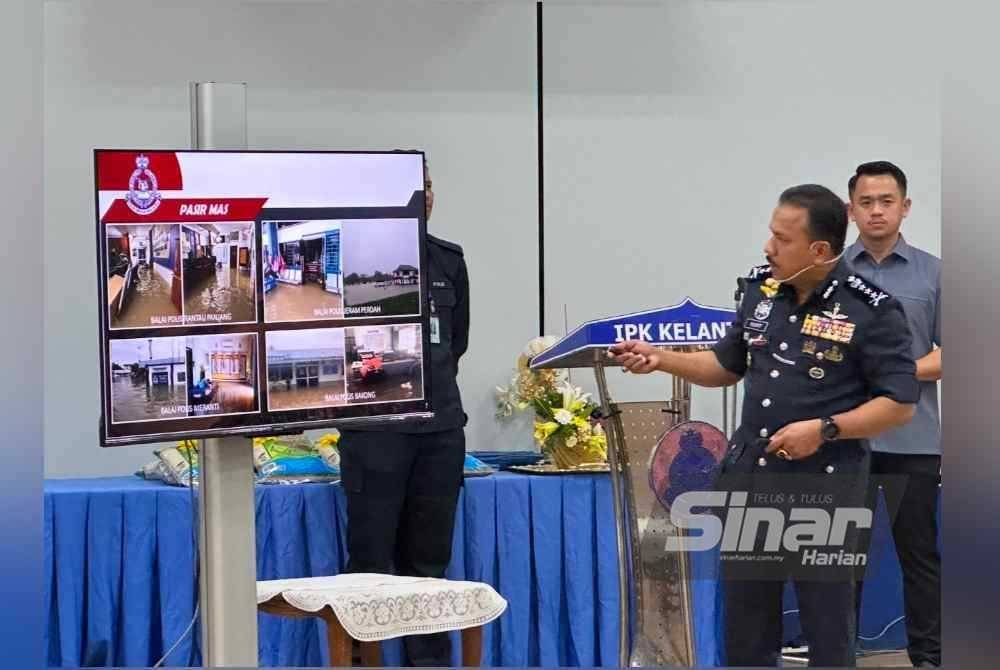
(544,430)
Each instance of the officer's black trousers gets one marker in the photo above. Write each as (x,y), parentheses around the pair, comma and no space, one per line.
(752,580)
(754,622)
(911,495)
(402,490)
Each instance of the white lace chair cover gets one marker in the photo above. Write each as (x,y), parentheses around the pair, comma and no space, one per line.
(378,607)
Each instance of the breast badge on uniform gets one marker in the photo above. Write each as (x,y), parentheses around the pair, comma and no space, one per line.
(763,309)
(817,373)
(828,329)
(835,314)
(833,354)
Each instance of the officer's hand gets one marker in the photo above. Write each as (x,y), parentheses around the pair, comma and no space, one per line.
(798,440)
(634,356)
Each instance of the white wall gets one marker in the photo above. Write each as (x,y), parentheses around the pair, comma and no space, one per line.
(453,78)
(671,128)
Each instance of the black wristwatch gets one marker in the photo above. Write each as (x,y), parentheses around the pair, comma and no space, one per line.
(829,430)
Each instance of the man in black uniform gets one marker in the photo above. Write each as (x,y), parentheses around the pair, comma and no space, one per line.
(402,481)
(827,364)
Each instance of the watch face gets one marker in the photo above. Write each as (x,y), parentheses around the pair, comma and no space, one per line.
(830,430)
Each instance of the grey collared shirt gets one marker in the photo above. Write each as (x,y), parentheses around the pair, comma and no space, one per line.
(913,276)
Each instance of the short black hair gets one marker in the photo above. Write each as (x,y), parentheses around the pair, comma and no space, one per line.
(877,168)
(827,213)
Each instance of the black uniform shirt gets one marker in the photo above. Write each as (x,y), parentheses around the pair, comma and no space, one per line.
(848,343)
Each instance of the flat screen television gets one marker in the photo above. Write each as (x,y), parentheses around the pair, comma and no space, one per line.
(259,292)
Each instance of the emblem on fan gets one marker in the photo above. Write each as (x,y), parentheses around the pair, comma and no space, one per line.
(686,459)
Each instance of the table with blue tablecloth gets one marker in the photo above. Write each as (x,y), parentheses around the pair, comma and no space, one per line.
(120,571)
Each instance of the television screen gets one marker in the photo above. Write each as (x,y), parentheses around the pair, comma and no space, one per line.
(258,292)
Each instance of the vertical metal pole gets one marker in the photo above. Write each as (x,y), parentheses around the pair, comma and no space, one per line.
(615,448)
(736,398)
(687,611)
(228,562)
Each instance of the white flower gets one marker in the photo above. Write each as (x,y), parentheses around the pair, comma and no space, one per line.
(571,441)
(539,344)
(598,429)
(563,416)
(568,395)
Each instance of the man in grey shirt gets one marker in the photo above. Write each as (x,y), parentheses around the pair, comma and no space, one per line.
(878,205)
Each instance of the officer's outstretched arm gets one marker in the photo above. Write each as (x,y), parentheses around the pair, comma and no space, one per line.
(701,367)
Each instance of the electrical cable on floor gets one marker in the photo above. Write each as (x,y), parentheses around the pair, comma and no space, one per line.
(884,630)
(197,558)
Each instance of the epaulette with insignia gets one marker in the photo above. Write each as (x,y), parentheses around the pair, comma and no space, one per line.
(759,272)
(451,246)
(867,291)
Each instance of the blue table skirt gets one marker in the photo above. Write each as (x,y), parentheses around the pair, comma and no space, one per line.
(120,580)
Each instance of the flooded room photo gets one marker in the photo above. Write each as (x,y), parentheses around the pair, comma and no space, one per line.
(222,375)
(381,267)
(384,363)
(144,276)
(219,272)
(305,369)
(302,270)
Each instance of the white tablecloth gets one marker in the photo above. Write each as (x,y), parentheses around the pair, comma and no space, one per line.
(378,607)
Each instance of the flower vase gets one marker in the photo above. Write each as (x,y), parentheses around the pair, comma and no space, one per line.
(567,458)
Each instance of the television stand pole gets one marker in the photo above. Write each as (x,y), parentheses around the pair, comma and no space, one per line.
(228,561)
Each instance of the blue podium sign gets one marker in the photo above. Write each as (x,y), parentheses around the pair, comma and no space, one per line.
(684,324)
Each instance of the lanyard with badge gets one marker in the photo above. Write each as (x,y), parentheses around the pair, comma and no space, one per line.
(435,321)
(435,324)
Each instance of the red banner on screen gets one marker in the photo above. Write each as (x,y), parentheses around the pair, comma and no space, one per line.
(115,170)
(181,210)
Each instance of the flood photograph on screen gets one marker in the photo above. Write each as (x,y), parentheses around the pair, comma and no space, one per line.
(219,269)
(383,363)
(158,378)
(305,369)
(381,267)
(302,275)
(144,276)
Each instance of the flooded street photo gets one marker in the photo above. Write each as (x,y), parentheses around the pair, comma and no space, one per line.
(382,266)
(133,401)
(305,369)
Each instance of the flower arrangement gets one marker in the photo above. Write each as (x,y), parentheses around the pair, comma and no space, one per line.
(565,427)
